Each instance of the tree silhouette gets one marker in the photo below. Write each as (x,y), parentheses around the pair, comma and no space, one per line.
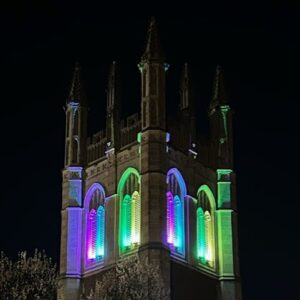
(28,278)
(130,279)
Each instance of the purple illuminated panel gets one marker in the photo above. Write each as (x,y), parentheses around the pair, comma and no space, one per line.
(175,211)
(170,218)
(74,240)
(91,233)
(95,224)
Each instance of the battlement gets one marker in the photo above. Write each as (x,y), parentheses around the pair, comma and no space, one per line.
(129,129)
(98,142)
(96,145)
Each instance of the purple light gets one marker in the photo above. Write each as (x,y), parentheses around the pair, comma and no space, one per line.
(74,234)
(91,231)
(170,218)
(175,211)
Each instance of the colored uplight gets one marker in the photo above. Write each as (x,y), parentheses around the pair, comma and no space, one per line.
(130,209)
(178,242)
(170,218)
(100,231)
(139,137)
(200,234)
(130,226)
(175,211)
(205,235)
(208,235)
(126,221)
(135,218)
(95,230)
(91,231)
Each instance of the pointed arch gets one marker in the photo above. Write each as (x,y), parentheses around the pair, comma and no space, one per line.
(206,206)
(176,193)
(88,196)
(130,209)
(180,180)
(205,188)
(94,207)
(124,178)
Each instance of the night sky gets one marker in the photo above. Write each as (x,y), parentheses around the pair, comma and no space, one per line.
(258,49)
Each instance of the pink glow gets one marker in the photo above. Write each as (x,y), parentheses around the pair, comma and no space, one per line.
(171,221)
(91,231)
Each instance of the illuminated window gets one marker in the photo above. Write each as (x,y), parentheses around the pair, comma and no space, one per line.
(201,235)
(175,211)
(130,210)
(95,229)
(91,234)
(205,234)
(100,231)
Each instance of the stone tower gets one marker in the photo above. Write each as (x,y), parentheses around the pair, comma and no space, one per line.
(151,187)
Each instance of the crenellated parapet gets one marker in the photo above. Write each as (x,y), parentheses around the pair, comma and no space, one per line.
(129,129)
(151,186)
(96,147)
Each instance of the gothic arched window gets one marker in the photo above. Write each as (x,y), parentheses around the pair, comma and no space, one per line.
(175,211)
(75,150)
(95,223)
(130,209)
(75,122)
(205,226)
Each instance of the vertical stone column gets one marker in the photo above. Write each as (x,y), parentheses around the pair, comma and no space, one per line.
(229,286)
(153,192)
(71,234)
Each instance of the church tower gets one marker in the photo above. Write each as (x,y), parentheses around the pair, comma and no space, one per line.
(149,190)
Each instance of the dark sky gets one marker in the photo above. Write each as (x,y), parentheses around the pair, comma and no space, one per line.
(259,51)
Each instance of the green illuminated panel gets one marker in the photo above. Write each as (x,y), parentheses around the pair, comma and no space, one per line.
(130,210)
(225,242)
(201,246)
(205,226)
(224,187)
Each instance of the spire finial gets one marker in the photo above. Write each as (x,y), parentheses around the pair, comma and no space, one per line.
(219,93)
(76,92)
(184,87)
(153,49)
(113,86)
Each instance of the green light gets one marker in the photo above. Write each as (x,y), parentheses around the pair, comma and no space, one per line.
(139,137)
(205,231)
(208,237)
(223,173)
(225,243)
(224,187)
(200,234)
(130,211)
(126,221)
(209,194)
(141,67)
